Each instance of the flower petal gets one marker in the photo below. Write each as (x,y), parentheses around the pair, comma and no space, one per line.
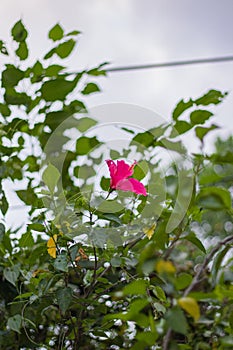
(124,170)
(132,185)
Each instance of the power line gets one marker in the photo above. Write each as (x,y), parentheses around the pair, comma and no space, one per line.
(171,64)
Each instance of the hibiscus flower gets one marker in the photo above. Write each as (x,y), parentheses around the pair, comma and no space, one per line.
(121,177)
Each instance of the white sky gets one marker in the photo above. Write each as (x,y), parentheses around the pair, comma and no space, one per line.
(126,32)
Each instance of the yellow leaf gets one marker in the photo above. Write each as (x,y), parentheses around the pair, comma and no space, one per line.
(190,306)
(164,266)
(150,231)
(51,246)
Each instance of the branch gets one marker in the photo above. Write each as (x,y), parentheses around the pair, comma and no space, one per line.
(196,280)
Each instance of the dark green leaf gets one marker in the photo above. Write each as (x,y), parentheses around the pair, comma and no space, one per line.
(105,183)
(2,231)
(56,33)
(27,196)
(5,110)
(22,51)
(90,88)
(4,205)
(200,116)
(13,97)
(58,89)
(84,145)
(176,320)
(19,32)
(64,298)
(3,49)
(181,107)
(11,76)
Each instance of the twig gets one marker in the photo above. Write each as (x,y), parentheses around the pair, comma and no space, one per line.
(205,263)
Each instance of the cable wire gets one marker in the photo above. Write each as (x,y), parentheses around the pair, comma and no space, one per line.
(171,64)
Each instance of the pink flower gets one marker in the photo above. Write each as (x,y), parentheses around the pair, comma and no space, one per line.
(120,177)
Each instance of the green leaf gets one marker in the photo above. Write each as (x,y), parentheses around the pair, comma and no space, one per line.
(5,110)
(147,337)
(215,198)
(11,274)
(56,33)
(50,177)
(26,240)
(211,97)
(136,287)
(180,127)
(159,293)
(110,206)
(181,107)
(140,170)
(90,88)
(183,280)
(19,32)
(22,51)
(11,76)
(58,89)
(53,70)
(64,50)
(73,33)
(201,132)
(12,97)
(85,123)
(105,183)
(84,145)
(84,172)
(175,146)
(191,237)
(99,238)
(27,196)
(176,320)
(218,261)
(15,323)
(200,116)
(64,298)
(61,263)
(36,227)
(145,138)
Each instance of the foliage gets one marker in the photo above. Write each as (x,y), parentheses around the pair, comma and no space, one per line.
(100,269)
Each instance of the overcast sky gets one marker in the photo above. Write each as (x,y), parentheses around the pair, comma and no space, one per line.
(127,32)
